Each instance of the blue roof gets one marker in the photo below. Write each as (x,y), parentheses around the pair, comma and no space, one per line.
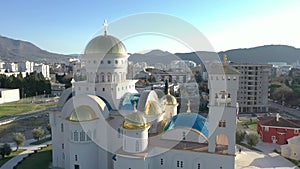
(128,101)
(190,120)
(106,102)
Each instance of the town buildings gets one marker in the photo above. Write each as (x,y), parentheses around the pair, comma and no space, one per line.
(277,129)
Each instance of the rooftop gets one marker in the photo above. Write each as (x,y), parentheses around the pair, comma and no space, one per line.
(282,122)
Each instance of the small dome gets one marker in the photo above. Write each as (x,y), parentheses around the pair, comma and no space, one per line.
(135,120)
(169,99)
(153,108)
(190,120)
(82,113)
(105,44)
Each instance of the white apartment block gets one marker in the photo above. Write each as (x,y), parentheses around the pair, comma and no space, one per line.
(253,90)
(42,68)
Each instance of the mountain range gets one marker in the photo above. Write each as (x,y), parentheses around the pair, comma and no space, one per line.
(16,50)
(256,55)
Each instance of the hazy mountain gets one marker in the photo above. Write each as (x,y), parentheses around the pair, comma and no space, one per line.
(154,56)
(264,54)
(261,54)
(17,50)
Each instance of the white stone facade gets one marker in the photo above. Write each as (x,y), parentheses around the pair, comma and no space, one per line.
(103,123)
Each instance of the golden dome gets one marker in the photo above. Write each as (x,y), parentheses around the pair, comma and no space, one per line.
(135,120)
(153,108)
(82,113)
(169,99)
(105,44)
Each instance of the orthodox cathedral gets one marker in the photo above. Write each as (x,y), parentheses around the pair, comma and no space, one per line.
(102,122)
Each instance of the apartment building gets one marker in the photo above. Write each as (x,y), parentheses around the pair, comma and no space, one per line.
(253,90)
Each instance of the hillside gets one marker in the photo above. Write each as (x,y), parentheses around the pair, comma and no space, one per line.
(16,50)
(261,54)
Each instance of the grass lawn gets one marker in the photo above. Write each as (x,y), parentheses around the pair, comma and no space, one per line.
(13,108)
(252,125)
(39,160)
(41,141)
(12,154)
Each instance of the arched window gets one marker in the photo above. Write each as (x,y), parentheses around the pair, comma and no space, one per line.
(76,135)
(97,78)
(102,75)
(108,62)
(108,77)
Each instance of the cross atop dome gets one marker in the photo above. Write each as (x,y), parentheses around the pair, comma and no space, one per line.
(105,25)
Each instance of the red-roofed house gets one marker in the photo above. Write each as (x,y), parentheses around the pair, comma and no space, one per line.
(277,129)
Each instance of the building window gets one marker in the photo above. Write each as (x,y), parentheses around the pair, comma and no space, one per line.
(161,161)
(177,164)
(108,62)
(108,77)
(137,146)
(103,89)
(181,164)
(101,62)
(62,146)
(199,166)
(266,128)
(62,127)
(76,158)
(116,61)
(119,133)
(76,136)
(183,135)
(82,136)
(222,123)
(296,131)
(102,77)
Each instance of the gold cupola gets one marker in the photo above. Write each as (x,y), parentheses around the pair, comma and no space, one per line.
(169,99)
(153,108)
(82,113)
(135,120)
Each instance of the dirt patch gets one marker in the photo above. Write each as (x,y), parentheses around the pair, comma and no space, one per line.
(23,126)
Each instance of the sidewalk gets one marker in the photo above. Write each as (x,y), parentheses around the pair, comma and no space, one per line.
(29,149)
(266,159)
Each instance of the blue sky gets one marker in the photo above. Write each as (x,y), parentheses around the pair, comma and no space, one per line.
(65,26)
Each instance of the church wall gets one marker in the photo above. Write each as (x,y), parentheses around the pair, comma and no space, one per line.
(190,160)
(184,134)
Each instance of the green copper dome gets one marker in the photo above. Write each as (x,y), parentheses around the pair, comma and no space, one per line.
(82,113)
(105,44)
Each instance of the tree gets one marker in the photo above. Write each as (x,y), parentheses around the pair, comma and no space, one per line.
(5,150)
(166,87)
(49,128)
(252,139)
(38,133)
(19,139)
(240,136)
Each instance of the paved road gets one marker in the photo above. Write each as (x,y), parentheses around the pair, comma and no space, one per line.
(267,159)
(291,111)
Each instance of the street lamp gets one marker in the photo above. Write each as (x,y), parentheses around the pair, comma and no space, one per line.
(44,93)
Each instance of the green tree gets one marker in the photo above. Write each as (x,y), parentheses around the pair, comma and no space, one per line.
(38,133)
(19,139)
(166,86)
(49,128)
(5,150)
(252,139)
(240,136)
